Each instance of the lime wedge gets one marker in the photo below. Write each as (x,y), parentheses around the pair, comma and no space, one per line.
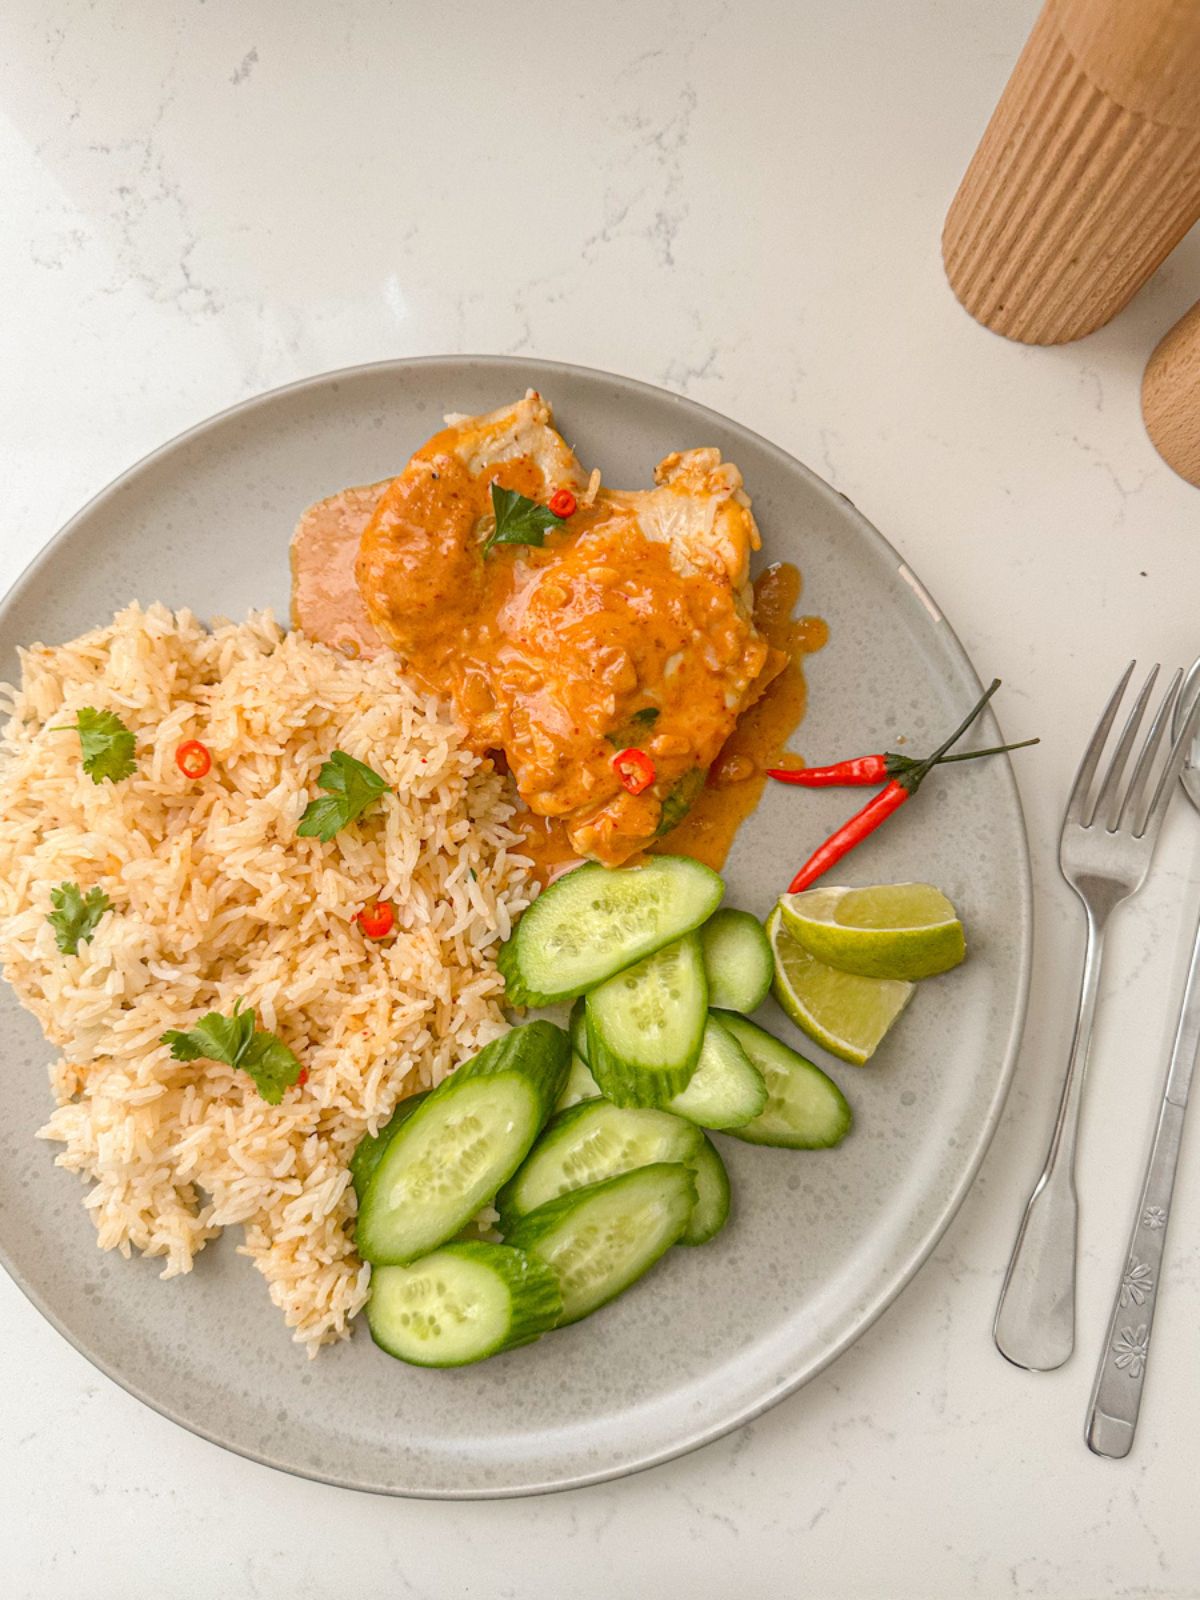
(848,1015)
(895,930)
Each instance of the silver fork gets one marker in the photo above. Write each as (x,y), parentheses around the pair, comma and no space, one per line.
(1108,838)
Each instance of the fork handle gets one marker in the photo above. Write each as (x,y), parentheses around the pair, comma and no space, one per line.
(1035,1319)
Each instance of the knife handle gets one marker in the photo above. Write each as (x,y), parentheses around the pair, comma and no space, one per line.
(1121,1373)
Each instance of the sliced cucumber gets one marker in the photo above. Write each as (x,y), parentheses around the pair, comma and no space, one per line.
(595,921)
(579,1085)
(578,1030)
(462,1303)
(711,1211)
(591,1142)
(600,1239)
(461,1144)
(368,1152)
(737,960)
(646,1026)
(725,1090)
(805,1109)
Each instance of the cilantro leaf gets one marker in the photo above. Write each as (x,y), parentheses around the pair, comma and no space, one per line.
(106,743)
(214,1038)
(271,1064)
(352,787)
(519,520)
(75,915)
(236,1041)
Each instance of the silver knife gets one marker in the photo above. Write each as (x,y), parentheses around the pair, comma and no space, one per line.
(1117,1391)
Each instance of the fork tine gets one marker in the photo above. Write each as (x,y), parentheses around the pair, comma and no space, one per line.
(1091,756)
(1108,796)
(1166,784)
(1133,806)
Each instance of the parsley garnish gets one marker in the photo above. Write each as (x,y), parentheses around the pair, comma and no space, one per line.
(75,915)
(352,786)
(519,520)
(106,743)
(236,1041)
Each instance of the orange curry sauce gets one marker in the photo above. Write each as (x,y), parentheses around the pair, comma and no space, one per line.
(624,628)
(737,776)
(327,605)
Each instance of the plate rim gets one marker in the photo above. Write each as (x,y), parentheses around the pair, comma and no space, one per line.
(867,1315)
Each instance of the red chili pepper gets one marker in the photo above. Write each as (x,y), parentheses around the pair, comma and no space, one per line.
(635,770)
(563,503)
(303,1078)
(193,759)
(862,769)
(377,919)
(875,769)
(879,806)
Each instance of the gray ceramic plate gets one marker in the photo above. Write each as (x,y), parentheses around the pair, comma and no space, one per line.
(819,1243)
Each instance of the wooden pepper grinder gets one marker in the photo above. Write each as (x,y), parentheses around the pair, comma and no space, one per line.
(1088,174)
(1171,397)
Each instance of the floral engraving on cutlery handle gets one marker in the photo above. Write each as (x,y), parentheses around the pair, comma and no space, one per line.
(1130,1348)
(1154,1217)
(1137,1283)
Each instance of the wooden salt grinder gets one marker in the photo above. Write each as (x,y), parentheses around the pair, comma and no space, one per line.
(1088,174)
(1171,397)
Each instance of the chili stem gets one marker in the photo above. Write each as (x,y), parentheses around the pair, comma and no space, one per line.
(993,750)
(922,768)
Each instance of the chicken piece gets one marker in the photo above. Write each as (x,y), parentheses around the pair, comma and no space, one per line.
(630,626)
(326,603)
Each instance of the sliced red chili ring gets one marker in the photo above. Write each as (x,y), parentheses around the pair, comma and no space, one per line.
(193,759)
(563,503)
(635,770)
(377,919)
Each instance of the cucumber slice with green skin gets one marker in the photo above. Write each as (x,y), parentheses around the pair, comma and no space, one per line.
(601,1239)
(726,1090)
(592,1142)
(737,960)
(577,1027)
(711,1211)
(646,1026)
(805,1109)
(595,921)
(461,1145)
(462,1303)
(368,1152)
(580,1085)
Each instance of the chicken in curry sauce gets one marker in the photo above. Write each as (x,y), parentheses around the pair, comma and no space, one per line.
(629,630)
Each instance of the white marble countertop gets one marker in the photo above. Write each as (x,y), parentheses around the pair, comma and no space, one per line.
(740,202)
